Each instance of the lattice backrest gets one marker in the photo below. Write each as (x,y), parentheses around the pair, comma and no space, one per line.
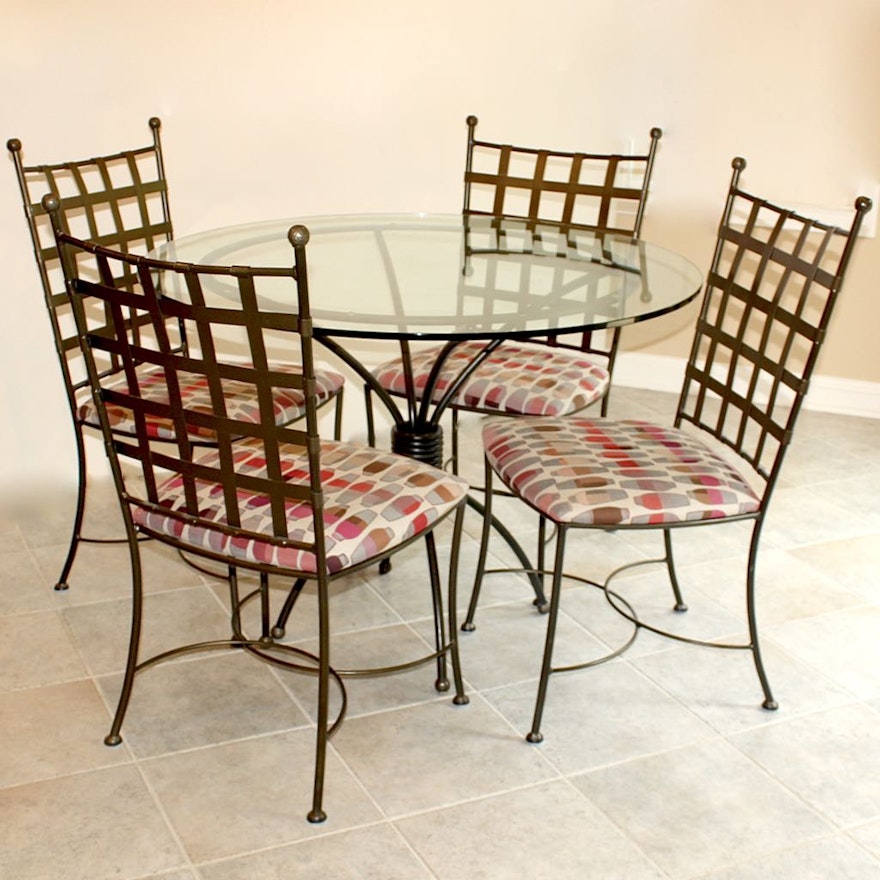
(770,292)
(252,458)
(599,191)
(119,201)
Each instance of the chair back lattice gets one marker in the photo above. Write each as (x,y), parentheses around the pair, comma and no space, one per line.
(770,291)
(532,194)
(119,201)
(605,192)
(252,462)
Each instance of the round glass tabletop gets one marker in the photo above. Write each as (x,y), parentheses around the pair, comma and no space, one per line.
(422,276)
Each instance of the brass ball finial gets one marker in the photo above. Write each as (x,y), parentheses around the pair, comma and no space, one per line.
(298,235)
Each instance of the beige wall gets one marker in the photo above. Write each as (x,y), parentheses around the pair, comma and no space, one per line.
(287,107)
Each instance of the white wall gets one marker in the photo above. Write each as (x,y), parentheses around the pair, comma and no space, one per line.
(276,108)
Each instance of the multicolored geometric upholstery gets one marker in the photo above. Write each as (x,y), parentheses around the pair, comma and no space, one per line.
(520,378)
(241,402)
(606,473)
(372,502)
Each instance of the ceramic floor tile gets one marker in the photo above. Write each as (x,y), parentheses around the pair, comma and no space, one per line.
(374,853)
(600,716)
(22,586)
(438,754)
(722,686)
(868,836)
(87,826)
(54,730)
(842,646)
(246,796)
(830,759)
(372,649)
(545,832)
(832,857)
(209,700)
(854,563)
(508,645)
(701,808)
(36,649)
(170,619)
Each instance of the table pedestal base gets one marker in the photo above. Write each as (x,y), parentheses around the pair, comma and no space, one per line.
(424,443)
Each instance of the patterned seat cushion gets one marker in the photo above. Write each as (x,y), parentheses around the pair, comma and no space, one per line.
(520,378)
(373,501)
(609,473)
(240,402)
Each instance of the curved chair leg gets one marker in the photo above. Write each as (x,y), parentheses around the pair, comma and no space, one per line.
(79,514)
(769,702)
(468,625)
(442,682)
(113,738)
(281,623)
(680,604)
(535,735)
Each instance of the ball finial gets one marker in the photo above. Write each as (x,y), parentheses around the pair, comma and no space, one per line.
(739,163)
(13,145)
(155,123)
(50,202)
(298,235)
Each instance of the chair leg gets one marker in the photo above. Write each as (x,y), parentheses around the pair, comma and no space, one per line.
(460,698)
(371,425)
(468,625)
(114,738)
(76,530)
(337,421)
(442,682)
(769,702)
(535,735)
(680,604)
(317,814)
(281,624)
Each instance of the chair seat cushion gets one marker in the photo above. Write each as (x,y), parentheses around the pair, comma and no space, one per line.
(240,401)
(611,473)
(520,378)
(373,502)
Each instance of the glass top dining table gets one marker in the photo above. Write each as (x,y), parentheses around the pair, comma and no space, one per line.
(433,277)
(412,277)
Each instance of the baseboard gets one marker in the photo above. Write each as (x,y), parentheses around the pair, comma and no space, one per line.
(850,397)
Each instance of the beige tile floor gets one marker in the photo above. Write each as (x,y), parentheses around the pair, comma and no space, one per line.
(660,764)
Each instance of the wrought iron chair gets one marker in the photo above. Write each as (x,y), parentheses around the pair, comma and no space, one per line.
(121,202)
(770,291)
(266,497)
(532,190)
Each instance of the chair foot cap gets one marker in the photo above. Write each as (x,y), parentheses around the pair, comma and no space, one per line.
(316,816)
(62,585)
(441,685)
(278,632)
(385,566)
(534,737)
(770,705)
(460,700)
(112,739)
(468,627)
(543,607)
(680,607)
